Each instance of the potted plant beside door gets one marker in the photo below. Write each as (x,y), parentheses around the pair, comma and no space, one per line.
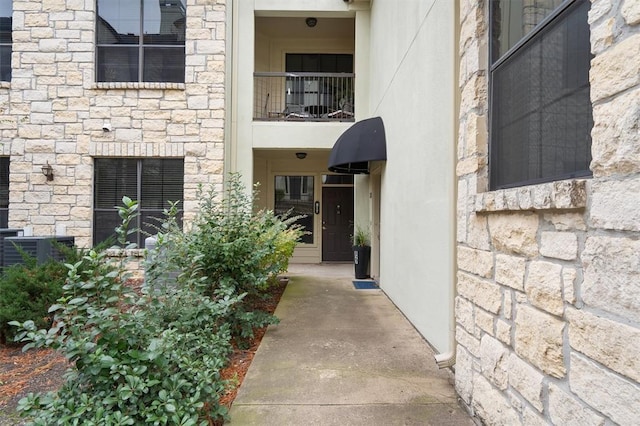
(361,252)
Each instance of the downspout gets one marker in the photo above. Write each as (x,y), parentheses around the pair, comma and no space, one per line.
(230,84)
(448,359)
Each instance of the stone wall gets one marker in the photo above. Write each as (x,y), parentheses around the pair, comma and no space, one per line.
(53,110)
(548,304)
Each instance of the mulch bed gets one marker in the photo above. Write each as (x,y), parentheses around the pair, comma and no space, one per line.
(41,370)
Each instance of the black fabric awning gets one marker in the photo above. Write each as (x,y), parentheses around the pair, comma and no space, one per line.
(357,146)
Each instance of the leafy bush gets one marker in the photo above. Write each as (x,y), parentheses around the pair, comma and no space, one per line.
(150,358)
(155,357)
(234,249)
(28,290)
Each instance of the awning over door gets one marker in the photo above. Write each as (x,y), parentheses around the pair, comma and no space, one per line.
(357,146)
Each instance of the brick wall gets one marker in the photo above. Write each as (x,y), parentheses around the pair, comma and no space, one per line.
(548,305)
(53,110)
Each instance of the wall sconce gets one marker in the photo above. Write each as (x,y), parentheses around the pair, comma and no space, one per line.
(47,170)
(311,22)
(301,155)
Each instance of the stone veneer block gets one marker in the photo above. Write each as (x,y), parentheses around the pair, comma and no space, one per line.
(478,262)
(538,339)
(608,342)
(614,136)
(616,69)
(491,405)
(510,271)
(493,361)
(615,397)
(544,287)
(464,374)
(566,410)
(615,204)
(526,380)
(631,12)
(559,245)
(483,293)
(514,233)
(611,275)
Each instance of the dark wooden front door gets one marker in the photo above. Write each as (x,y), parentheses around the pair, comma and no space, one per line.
(337,223)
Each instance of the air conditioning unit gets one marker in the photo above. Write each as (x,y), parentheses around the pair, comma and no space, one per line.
(41,248)
(4,233)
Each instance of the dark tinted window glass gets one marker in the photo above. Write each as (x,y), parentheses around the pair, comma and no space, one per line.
(4,182)
(152,182)
(5,40)
(122,55)
(541,112)
(295,194)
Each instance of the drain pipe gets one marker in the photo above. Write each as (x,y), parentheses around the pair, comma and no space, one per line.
(445,360)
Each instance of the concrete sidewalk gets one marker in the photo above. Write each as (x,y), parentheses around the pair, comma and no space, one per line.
(342,356)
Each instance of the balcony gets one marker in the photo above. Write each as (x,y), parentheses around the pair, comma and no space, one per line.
(300,96)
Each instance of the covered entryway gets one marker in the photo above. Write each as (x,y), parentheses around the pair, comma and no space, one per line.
(337,223)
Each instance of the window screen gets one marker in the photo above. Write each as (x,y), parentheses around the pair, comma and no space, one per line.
(153,182)
(541,115)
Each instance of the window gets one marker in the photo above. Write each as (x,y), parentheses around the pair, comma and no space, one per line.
(5,40)
(295,193)
(125,56)
(153,182)
(541,115)
(4,192)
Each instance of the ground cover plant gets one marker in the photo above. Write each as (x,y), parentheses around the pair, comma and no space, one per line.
(155,357)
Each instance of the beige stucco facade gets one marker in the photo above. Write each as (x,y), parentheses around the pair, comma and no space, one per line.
(547,308)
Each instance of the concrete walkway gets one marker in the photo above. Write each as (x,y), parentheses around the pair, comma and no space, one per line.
(342,356)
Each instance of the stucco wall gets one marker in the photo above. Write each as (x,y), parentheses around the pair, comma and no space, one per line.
(548,311)
(413,88)
(53,110)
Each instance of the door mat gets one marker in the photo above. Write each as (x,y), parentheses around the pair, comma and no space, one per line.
(365,285)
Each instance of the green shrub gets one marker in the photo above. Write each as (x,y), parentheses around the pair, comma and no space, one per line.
(26,292)
(150,358)
(233,248)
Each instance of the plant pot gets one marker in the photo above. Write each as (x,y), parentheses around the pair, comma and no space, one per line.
(361,256)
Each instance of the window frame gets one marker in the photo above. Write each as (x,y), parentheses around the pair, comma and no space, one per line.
(139,236)
(5,162)
(141,48)
(9,45)
(494,65)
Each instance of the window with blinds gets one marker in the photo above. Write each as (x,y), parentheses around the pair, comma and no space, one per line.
(540,111)
(4,192)
(6,39)
(153,182)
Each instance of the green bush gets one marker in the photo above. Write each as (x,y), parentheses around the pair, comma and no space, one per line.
(150,358)
(156,357)
(28,290)
(234,249)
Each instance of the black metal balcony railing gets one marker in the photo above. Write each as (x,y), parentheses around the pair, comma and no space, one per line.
(303,96)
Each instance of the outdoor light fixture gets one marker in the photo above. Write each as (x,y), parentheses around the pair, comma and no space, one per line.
(311,22)
(301,155)
(47,170)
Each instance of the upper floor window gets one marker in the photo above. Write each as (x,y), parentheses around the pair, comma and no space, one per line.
(153,182)
(540,111)
(5,40)
(4,192)
(141,40)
